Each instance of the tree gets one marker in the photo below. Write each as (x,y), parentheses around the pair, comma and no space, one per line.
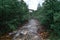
(49,16)
(12,12)
(52,8)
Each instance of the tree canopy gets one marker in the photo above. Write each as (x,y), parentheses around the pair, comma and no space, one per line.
(12,13)
(49,15)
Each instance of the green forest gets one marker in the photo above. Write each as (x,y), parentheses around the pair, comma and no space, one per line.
(14,14)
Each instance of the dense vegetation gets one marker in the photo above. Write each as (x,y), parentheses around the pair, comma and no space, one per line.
(49,16)
(14,13)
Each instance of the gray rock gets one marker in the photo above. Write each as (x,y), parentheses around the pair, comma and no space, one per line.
(28,32)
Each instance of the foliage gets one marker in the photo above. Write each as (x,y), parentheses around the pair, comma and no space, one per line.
(12,13)
(49,15)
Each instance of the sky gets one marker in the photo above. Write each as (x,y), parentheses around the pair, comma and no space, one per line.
(32,4)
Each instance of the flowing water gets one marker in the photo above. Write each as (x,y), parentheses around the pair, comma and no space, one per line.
(28,31)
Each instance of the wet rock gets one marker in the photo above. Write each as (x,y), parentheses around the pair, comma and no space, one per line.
(28,32)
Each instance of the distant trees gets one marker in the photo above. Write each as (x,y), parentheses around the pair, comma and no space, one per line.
(12,13)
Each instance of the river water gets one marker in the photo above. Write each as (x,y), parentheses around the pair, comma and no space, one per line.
(28,31)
